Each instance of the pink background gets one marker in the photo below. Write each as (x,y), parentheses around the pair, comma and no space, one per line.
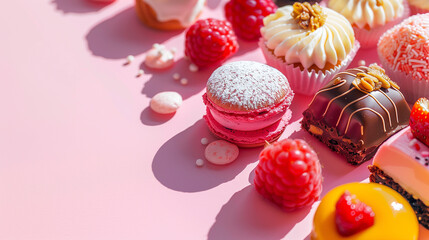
(83,157)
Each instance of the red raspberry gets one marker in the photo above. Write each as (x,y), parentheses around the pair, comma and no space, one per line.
(246,16)
(210,41)
(289,174)
(419,120)
(352,215)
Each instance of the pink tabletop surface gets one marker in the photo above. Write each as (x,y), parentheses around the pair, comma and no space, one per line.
(82,156)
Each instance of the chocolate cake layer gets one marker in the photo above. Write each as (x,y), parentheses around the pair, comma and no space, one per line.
(421,210)
(353,118)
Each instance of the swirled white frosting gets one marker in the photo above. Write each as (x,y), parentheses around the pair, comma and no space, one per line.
(184,11)
(328,44)
(423,4)
(369,12)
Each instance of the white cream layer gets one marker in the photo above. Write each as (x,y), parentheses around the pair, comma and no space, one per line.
(184,11)
(370,13)
(329,44)
(397,157)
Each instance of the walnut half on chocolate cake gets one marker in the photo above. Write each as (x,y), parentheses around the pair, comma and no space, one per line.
(356,112)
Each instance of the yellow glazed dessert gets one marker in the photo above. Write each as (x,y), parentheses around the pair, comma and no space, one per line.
(394,218)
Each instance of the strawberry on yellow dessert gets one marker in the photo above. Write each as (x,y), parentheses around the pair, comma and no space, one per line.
(364,211)
(169,14)
(402,162)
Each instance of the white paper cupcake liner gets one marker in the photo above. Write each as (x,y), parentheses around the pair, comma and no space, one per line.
(369,38)
(411,89)
(303,81)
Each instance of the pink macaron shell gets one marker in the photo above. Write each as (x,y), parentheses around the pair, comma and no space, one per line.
(249,138)
(251,120)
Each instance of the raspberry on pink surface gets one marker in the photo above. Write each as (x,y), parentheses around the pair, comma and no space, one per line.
(246,16)
(210,41)
(289,174)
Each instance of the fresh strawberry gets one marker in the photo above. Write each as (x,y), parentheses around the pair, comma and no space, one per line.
(210,41)
(289,174)
(246,16)
(419,120)
(352,215)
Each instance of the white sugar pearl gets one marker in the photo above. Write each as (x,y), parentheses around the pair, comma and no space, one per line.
(362,62)
(184,81)
(130,58)
(204,141)
(176,76)
(193,67)
(166,102)
(199,162)
(140,72)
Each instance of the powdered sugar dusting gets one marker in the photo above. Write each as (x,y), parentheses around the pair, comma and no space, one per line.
(247,85)
(406,47)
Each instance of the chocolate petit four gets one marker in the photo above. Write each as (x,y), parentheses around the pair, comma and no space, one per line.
(356,112)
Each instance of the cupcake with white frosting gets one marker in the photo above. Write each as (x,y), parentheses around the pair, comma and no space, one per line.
(419,6)
(309,44)
(371,18)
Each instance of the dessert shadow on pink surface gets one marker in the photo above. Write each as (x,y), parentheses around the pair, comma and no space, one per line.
(213,4)
(335,169)
(123,35)
(247,215)
(174,163)
(150,118)
(77,6)
(162,80)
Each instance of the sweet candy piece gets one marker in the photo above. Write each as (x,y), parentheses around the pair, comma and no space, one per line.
(221,152)
(419,120)
(405,168)
(352,215)
(289,174)
(210,41)
(392,212)
(159,57)
(247,17)
(247,103)
(166,102)
(356,112)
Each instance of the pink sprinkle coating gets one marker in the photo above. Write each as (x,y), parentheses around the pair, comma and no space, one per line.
(406,47)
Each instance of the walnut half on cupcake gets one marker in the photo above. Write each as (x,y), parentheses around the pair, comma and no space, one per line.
(308,43)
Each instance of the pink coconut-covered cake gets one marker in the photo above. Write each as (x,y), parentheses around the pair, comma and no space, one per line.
(403,52)
(402,163)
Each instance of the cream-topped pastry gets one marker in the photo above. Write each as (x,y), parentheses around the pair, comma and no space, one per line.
(326,45)
(368,13)
(185,11)
(402,163)
(308,43)
(169,14)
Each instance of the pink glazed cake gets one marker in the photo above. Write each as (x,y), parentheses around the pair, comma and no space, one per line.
(402,163)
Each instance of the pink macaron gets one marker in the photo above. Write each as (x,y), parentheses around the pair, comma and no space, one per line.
(247,103)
